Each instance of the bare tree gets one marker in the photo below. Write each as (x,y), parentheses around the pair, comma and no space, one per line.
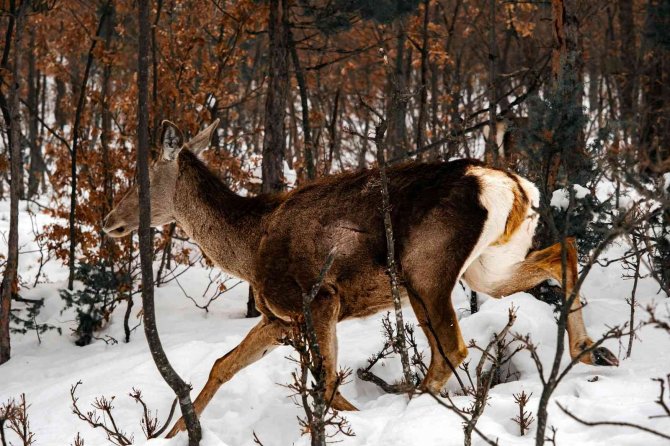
(180,388)
(9,279)
(15,415)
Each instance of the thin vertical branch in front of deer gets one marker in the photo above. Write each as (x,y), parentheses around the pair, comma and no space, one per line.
(380,131)
(169,374)
(309,298)
(485,379)
(633,302)
(315,417)
(497,353)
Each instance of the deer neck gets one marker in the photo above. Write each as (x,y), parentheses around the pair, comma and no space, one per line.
(226,226)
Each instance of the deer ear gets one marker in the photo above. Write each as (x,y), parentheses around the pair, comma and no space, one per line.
(172,141)
(201,141)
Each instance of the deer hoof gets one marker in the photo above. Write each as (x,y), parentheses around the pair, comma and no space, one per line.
(602,356)
(340,403)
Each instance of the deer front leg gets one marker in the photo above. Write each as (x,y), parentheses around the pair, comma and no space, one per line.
(260,340)
(547,264)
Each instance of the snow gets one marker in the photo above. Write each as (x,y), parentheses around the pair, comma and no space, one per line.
(256,401)
(560,198)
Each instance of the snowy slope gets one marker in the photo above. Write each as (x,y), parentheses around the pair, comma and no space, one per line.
(256,401)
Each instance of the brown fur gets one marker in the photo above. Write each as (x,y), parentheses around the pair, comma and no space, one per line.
(279,242)
(518,213)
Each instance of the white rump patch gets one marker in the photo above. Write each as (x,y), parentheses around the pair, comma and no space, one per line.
(490,264)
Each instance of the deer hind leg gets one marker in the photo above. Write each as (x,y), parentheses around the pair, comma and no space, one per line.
(435,253)
(548,264)
(260,340)
(429,280)
(325,314)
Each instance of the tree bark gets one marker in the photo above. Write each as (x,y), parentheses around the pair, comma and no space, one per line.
(37,167)
(423,93)
(274,137)
(154,64)
(4,68)
(105,139)
(252,311)
(397,134)
(308,145)
(627,58)
(180,388)
(567,69)
(9,279)
(332,130)
(60,115)
(274,143)
(654,134)
(492,141)
(567,66)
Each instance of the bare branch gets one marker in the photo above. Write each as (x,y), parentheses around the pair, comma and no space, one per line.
(612,423)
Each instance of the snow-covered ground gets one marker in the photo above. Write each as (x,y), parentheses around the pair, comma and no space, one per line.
(256,400)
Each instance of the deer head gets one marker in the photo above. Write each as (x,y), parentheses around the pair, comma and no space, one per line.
(163,173)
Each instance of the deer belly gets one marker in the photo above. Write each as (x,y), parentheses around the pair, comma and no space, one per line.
(366,295)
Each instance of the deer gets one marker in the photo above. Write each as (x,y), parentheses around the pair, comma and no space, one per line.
(456,220)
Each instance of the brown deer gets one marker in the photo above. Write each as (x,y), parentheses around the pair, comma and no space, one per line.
(452,220)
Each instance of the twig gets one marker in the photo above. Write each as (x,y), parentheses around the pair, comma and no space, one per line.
(380,131)
(612,423)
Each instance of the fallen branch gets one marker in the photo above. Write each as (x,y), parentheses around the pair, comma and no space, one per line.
(612,423)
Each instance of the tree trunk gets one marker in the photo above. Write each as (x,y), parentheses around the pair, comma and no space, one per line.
(75,142)
(397,87)
(274,143)
(492,140)
(60,115)
(154,78)
(308,146)
(567,69)
(105,135)
(627,59)
(654,135)
(180,388)
(274,138)
(332,130)
(37,167)
(9,279)
(423,92)
(252,311)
